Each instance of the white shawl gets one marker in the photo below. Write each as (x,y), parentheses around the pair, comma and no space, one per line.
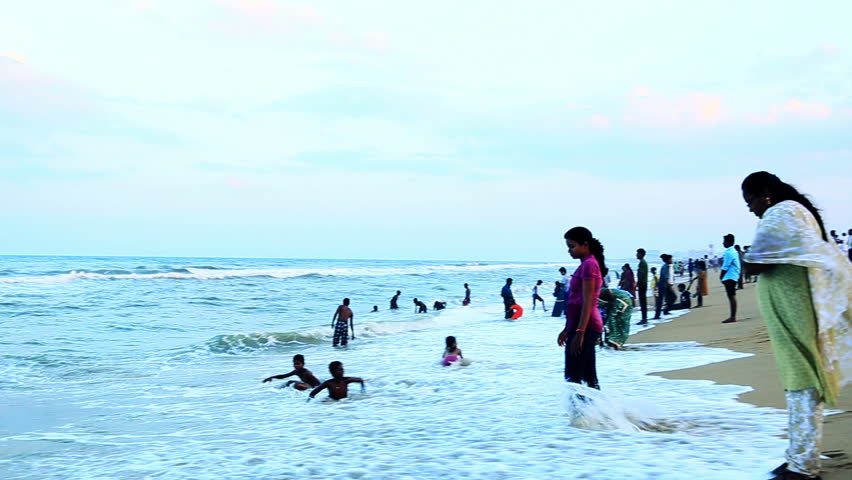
(788,233)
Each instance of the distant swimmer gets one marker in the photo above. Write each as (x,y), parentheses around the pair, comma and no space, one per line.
(419,307)
(394,299)
(439,305)
(375,308)
(536,297)
(452,352)
(338,385)
(343,317)
(308,380)
(466,300)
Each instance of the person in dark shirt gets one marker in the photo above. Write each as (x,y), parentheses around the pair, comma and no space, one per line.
(466,300)
(439,305)
(508,298)
(419,307)
(394,299)
(685,298)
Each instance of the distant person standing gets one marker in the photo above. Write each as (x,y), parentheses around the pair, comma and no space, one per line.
(343,318)
(627,281)
(559,302)
(730,274)
(508,298)
(740,258)
(849,244)
(566,280)
(665,293)
(394,299)
(583,323)
(701,290)
(642,285)
(537,298)
(690,266)
(466,300)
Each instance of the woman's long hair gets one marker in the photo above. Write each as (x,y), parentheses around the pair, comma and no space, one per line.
(764,182)
(583,236)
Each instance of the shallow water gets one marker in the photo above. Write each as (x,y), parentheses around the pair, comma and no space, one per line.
(135,368)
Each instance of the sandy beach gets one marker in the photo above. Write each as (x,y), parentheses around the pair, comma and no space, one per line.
(749,335)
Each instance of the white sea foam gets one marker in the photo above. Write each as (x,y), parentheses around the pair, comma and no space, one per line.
(191,273)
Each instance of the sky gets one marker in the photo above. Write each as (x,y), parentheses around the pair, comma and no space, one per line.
(412,130)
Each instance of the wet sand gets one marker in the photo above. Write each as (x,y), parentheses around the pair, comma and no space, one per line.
(749,335)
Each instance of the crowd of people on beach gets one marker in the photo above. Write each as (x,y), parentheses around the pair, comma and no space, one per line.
(804,292)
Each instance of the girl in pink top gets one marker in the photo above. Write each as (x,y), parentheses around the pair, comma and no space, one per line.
(583,323)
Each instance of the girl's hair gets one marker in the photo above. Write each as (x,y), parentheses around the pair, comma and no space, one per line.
(450,341)
(583,236)
(765,182)
(627,266)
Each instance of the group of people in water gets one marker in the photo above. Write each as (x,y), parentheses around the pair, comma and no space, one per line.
(804,294)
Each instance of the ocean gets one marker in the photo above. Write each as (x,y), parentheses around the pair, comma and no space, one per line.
(150,368)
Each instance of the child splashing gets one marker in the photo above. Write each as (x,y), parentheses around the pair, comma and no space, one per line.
(452,352)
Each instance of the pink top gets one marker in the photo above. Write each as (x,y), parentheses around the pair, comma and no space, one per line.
(588,269)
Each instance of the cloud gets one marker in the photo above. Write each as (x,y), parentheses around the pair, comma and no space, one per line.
(27,91)
(599,121)
(696,109)
(792,109)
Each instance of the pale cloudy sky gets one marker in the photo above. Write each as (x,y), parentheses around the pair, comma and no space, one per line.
(422,130)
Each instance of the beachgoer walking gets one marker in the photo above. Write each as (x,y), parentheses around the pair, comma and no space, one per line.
(619,307)
(536,297)
(583,323)
(466,300)
(642,285)
(730,274)
(342,318)
(394,299)
(805,297)
(508,298)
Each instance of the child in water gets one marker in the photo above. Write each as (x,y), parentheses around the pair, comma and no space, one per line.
(308,380)
(338,385)
(452,352)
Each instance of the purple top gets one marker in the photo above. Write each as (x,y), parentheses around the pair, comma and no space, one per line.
(588,269)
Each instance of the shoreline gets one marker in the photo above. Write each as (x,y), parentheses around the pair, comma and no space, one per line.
(749,335)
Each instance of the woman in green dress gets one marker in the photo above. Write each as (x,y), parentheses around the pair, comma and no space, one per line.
(619,307)
(804,294)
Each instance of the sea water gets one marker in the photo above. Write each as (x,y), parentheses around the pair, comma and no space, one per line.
(143,368)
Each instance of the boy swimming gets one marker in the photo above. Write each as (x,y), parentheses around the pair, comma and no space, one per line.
(308,380)
(338,385)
